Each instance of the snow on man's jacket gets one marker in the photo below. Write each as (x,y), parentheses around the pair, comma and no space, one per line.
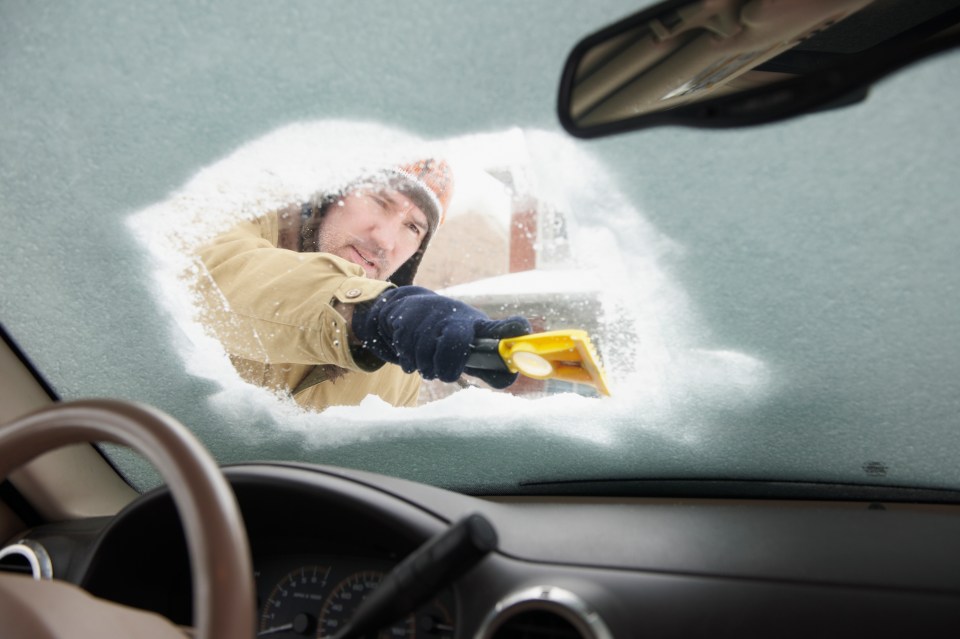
(272,309)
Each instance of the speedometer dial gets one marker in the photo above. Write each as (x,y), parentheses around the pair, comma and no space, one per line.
(347,597)
(291,608)
(433,621)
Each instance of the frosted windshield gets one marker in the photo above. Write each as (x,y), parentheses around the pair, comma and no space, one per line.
(773,303)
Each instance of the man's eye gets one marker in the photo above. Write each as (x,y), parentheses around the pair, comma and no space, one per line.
(414,228)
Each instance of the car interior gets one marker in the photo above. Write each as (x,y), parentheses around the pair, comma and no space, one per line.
(259,546)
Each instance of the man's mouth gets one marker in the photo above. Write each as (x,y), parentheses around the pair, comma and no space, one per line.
(362,260)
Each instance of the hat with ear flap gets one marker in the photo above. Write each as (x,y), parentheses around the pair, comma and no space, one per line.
(429,184)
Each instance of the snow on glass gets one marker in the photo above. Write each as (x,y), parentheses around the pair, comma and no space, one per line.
(599,261)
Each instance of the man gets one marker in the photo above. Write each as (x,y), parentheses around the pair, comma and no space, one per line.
(317,300)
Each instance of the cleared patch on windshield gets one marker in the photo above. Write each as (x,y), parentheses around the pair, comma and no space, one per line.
(535,227)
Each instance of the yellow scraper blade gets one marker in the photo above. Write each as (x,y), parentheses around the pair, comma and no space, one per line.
(566,355)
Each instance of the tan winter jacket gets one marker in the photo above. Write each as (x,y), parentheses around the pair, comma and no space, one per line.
(272,308)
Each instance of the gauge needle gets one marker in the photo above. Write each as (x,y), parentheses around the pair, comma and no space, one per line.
(275,630)
(302,624)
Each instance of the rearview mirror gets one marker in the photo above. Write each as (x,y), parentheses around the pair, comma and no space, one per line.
(726,63)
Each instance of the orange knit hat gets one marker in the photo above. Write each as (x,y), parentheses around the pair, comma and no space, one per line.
(429,183)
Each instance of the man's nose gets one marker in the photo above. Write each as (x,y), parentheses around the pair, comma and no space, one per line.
(384,233)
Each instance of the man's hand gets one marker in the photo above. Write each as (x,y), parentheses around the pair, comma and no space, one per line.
(420,330)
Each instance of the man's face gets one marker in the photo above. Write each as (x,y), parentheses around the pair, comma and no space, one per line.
(379,230)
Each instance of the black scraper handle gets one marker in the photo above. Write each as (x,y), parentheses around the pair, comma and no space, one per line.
(485,355)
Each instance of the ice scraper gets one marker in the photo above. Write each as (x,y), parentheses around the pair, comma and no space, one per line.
(567,355)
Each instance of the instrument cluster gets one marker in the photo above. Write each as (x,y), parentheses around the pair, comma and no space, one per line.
(315,595)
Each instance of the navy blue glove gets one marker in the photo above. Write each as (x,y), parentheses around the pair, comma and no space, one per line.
(420,330)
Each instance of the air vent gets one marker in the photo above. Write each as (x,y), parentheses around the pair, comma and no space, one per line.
(543,612)
(28,558)
(536,624)
(16,563)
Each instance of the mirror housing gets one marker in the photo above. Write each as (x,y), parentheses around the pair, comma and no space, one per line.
(733,63)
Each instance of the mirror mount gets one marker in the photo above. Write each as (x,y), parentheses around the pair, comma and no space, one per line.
(684,63)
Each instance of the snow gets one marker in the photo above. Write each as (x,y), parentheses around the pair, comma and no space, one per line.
(656,364)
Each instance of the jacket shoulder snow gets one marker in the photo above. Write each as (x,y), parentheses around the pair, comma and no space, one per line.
(273,311)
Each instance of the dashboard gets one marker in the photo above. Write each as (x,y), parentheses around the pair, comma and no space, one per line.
(565,567)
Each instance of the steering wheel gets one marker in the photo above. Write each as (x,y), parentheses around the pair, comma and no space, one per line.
(222,575)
